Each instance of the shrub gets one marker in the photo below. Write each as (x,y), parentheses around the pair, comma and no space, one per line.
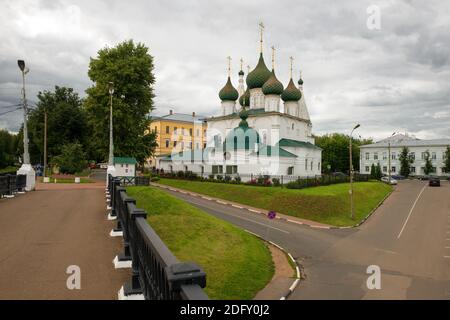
(72,158)
(219,177)
(276,182)
(237,179)
(211,177)
(260,180)
(252,182)
(227,179)
(180,174)
(267,183)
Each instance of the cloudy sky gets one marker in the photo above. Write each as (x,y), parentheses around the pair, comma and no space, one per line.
(395,78)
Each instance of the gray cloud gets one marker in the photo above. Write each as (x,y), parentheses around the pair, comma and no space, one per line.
(396,78)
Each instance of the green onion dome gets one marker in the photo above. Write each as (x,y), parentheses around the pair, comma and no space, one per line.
(273,85)
(291,93)
(244,100)
(241,73)
(228,92)
(300,81)
(258,76)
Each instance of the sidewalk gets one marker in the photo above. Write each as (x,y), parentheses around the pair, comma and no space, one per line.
(45,231)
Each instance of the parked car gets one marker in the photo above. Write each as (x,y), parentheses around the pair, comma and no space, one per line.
(339,174)
(397,177)
(424,178)
(434,182)
(386,180)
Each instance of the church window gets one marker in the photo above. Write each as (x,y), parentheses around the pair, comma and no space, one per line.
(264,138)
(247,143)
(306,164)
(292,126)
(235,142)
(167,129)
(290,171)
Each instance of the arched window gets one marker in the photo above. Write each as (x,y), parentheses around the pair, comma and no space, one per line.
(264,138)
(235,143)
(247,143)
(292,126)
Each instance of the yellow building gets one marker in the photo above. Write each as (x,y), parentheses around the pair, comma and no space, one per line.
(177,132)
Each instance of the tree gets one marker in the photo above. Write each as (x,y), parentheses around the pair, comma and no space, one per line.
(8,145)
(373,171)
(66,123)
(130,67)
(405,162)
(428,165)
(335,151)
(447,160)
(378,173)
(72,158)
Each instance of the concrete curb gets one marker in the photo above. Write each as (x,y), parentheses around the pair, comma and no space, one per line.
(297,269)
(263,212)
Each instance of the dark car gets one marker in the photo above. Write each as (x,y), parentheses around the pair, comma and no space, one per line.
(424,178)
(434,182)
(397,177)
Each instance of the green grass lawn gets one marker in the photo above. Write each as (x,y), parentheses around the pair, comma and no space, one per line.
(237,264)
(325,204)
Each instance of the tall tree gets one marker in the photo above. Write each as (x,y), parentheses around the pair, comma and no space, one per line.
(378,173)
(405,162)
(428,165)
(66,123)
(447,160)
(130,67)
(373,171)
(336,151)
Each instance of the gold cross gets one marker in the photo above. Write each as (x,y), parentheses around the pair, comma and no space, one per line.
(242,61)
(261,28)
(273,57)
(229,66)
(292,61)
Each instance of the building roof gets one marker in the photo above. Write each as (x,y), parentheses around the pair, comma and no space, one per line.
(228,92)
(256,113)
(274,151)
(258,76)
(291,93)
(297,144)
(272,85)
(403,140)
(125,160)
(180,117)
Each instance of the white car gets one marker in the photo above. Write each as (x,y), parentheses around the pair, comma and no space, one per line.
(386,180)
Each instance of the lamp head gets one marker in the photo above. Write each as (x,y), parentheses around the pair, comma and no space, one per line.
(357,126)
(111,87)
(21,64)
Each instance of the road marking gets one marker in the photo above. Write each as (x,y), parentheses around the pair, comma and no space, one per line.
(410,211)
(221,202)
(447,247)
(257,211)
(239,207)
(446,256)
(263,224)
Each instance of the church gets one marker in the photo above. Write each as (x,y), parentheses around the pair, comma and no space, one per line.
(255,133)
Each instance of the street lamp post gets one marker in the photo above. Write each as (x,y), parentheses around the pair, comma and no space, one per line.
(352,210)
(111,169)
(26,168)
(389,158)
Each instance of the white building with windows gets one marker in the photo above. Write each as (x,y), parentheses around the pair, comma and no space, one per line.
(379,153)
(264,129)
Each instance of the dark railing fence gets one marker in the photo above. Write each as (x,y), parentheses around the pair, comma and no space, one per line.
(10,184)
(133,181)
(156,272)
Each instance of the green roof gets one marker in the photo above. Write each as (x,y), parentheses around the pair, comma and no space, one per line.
(258,76)
(296,144)
(244,100)
(125,160)
(270,151)
(291,93)
(273,85)
(228,92)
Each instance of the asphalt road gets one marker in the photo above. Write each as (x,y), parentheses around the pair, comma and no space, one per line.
(45,231)
(408,237)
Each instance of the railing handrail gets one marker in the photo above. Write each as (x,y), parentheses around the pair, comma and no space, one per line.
(156,272)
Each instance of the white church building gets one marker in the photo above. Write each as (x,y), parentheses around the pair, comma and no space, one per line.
(264,129)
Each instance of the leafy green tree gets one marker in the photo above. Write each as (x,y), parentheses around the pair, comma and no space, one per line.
(130,67)
(335,151)
(72,158)
(405,162)
(66,123)
(378,173)
(8,145)
(447,160)
(428,165)
(373,171)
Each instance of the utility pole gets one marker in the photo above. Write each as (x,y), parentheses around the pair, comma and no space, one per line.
(352,210)
(111,169)
(389,158)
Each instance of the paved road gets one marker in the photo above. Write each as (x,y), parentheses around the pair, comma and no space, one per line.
(43,232)
(408,237)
